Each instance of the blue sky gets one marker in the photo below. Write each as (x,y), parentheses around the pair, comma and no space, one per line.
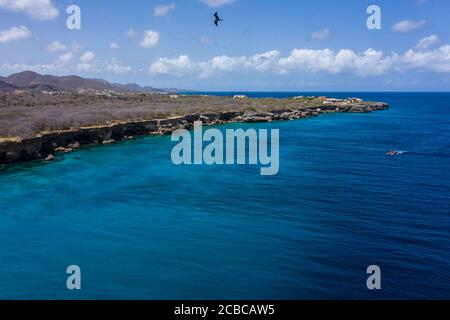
(261,44)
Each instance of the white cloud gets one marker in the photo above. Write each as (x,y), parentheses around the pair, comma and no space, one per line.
(56,46)
(183,65)
(370,62)
(217,3)
(87,57)
(18,67)
(150,39)
(364,64)
(14,34)
(65,65)
(435,60)
(320,35)
(258,62)
(66,57)
(427,42)
(163,9)
(115,66)
(114,45)
(36,9)
(130,33)
(405,26)
(178,67)
(84,67)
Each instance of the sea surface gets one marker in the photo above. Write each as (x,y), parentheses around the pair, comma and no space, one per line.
(140,227)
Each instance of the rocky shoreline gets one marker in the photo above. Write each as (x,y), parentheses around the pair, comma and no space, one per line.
(45,145)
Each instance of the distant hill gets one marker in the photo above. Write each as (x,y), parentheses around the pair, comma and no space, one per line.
(4,86)
(29,80)
(138,88)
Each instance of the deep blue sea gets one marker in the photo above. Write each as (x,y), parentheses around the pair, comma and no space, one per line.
(140,227)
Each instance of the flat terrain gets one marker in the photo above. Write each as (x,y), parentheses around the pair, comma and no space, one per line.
(26,114)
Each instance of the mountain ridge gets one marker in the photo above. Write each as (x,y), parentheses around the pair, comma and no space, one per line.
(33,81)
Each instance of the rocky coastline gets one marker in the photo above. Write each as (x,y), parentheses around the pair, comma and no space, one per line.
(45,145)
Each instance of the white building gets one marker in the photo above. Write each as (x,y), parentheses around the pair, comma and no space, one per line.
(332,100)
(354,100)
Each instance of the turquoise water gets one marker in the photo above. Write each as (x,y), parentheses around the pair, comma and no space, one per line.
(141,228)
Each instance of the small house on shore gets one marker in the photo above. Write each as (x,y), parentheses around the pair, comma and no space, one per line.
(332,100)
(240,96)
(354,100)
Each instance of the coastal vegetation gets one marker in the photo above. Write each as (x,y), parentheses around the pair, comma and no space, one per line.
(36,125)
(25,114)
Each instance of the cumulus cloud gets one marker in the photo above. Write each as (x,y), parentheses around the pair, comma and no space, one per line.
(14,34)
(65,58)
(130,33)
(320,35)
(299,61)
(150,39)
(184,66)
(115,66)
(427,42)
(369,62)
(85,67)
(163,9)
(87,57)
(217,3)
(114,45)
(363,64)
(9,68)
(258,62)
(56,46)
(36,9)
(178,66)
(432,60)
(405,26)
(64,65)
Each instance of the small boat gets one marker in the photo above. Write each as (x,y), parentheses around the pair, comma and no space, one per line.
(393,153)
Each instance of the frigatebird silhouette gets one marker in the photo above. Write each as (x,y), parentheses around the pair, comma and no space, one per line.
(217,19)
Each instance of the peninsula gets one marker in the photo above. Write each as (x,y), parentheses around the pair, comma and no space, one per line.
(36,124)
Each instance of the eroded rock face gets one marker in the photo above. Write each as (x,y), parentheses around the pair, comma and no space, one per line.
(257,116)
(46,145)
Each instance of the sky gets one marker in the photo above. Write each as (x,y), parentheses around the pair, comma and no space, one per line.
(261,45)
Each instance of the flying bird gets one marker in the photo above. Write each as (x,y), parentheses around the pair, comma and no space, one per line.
(217,19)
